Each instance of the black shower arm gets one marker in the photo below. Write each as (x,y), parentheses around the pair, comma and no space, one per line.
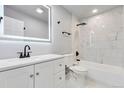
(66,33)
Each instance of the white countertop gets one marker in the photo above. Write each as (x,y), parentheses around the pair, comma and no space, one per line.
(6,64)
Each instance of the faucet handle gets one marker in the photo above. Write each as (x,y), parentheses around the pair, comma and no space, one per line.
(21,54)
(28,54)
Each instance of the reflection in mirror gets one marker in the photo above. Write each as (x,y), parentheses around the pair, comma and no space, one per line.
(26,21)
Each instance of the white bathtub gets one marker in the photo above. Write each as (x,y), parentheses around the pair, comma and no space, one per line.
(101,75)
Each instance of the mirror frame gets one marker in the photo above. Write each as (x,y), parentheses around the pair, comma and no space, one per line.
(32,39)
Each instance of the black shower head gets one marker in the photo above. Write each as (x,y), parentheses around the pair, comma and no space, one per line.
(81,24)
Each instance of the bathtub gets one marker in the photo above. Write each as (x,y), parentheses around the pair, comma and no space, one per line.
(102,75)
(99,75)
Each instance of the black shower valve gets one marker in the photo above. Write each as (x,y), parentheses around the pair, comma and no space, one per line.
(58,22)
(77,53)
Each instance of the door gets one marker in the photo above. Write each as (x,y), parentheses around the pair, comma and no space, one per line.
(17,78)
(44,75)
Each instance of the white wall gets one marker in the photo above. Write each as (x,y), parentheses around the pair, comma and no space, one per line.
(102,39)
(60,44)
(75,35)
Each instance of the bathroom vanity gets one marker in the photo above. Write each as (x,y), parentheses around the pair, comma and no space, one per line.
(44,71)
(29,23)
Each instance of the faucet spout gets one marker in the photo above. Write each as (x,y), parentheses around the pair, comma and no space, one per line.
(25,51)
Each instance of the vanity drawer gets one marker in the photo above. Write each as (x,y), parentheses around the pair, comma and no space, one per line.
(59,65)
(60,79)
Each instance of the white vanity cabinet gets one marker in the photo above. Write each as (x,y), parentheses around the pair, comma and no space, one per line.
(59,73)
(17,78)
(49,74)
(44,75)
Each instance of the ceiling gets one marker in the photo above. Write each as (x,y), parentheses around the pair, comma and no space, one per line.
(30,10)
(84,11)
(81,11)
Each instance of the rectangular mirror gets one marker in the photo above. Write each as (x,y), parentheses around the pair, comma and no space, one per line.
(27,22)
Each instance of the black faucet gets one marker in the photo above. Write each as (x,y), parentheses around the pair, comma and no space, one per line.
(25,54)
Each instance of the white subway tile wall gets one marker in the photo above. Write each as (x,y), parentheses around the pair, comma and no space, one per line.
(107,44)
